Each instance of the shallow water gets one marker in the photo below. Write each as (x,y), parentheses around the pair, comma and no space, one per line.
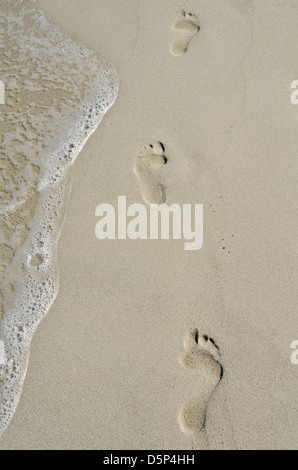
(56,93)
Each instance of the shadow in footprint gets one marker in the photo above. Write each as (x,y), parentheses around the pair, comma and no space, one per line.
(188,25)
(201,355)
(146,167)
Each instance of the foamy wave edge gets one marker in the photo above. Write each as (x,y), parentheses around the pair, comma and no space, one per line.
(36,286)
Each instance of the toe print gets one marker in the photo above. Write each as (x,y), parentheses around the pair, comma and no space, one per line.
(147,166)
(187,24)
(202,357)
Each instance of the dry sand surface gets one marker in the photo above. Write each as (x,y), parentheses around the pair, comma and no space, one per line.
(123,360)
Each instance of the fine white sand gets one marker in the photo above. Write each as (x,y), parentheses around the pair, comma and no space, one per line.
(104,370)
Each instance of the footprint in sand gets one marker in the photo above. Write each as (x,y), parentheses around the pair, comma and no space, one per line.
(188,25)
(147,166)
(202,357)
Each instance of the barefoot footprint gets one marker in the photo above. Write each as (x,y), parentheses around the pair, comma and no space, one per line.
(146,167)
(188,24)
(202,357)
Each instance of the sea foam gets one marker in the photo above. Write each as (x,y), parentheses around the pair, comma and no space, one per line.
(56,93)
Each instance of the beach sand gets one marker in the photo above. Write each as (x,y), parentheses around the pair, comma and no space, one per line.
(104,369)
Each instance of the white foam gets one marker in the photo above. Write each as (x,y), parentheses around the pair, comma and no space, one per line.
(35,288)
(56,92)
